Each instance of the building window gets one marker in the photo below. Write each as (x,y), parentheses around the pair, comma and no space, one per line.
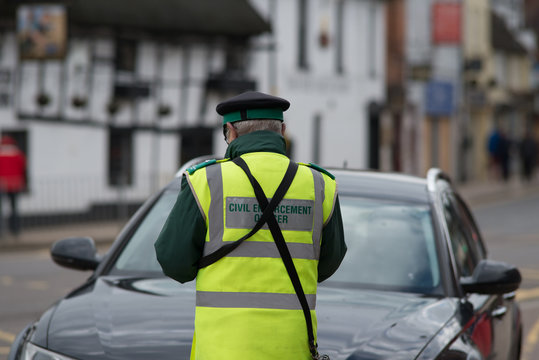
(302,34)
(120,157)
(236,58)
(5,87)
(126,54)
(196,142)
(339,41)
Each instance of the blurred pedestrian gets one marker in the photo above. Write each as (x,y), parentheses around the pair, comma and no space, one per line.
(12,179)
(504,154)
(528,155)
(493,147)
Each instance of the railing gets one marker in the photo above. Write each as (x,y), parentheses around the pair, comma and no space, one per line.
(64,200)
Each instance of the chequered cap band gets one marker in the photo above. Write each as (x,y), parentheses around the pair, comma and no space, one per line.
(253,114)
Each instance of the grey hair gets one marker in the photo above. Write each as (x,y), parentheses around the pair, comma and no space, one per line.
(248,126)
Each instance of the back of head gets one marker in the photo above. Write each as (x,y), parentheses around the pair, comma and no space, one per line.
(249,126)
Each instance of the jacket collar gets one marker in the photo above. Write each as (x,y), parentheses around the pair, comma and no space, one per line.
(257,141)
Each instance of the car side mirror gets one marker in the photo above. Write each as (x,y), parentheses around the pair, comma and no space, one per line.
(77,253)
(492,277)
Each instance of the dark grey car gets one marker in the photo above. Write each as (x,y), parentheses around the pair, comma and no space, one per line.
(415,284)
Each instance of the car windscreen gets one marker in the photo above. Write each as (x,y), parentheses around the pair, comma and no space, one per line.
(391,245)
(138,256)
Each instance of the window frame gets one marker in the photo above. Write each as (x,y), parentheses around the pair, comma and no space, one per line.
(113,177)
(125,55)
(476,237)
(450,203)
(303,34)
(339,37)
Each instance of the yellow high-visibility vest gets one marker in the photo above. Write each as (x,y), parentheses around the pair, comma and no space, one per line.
(246,306)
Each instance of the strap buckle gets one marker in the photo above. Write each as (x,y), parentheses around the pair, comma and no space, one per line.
(314,352)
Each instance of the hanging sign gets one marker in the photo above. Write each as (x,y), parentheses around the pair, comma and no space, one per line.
(439,98)
(446,23)
(41,31)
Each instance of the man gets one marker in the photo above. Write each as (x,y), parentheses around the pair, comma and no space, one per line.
(528,154)
(12,179)
(246,305)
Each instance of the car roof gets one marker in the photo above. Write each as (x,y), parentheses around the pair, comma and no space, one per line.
(385,185)
(193,162)
(369,183)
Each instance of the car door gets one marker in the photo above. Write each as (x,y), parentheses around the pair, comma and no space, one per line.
(502,312)
(490,328)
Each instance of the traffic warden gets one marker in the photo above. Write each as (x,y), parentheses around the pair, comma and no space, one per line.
(246,305)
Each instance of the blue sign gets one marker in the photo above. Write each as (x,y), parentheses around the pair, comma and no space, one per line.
(439,98)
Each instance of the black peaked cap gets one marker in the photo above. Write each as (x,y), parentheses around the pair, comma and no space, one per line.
(252,100)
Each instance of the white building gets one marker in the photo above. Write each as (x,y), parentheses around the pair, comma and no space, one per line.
(329,61)
(134,97)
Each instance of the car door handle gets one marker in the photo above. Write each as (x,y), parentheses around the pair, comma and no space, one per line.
(499,311)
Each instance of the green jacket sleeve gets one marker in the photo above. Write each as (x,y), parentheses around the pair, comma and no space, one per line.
(333,247)
(180,244)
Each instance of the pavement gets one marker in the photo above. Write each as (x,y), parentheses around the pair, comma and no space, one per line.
(40,238)
(478,194)
(475,194)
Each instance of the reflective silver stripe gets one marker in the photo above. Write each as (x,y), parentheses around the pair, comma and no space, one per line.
(252,300)
(255,248)
(319,196)
(214,177)
(268,249)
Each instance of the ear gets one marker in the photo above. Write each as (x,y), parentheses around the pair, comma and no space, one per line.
(283,129)
(232,132)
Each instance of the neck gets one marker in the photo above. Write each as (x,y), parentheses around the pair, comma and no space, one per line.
(257,141)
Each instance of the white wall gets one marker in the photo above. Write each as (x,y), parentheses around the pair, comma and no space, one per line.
(339,99)
(67,167)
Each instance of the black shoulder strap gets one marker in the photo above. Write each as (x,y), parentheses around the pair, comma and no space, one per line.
(267,212)
(285,254)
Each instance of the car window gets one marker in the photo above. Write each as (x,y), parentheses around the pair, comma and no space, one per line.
(464,249)
(471,226)
(139,254)
(390,245)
